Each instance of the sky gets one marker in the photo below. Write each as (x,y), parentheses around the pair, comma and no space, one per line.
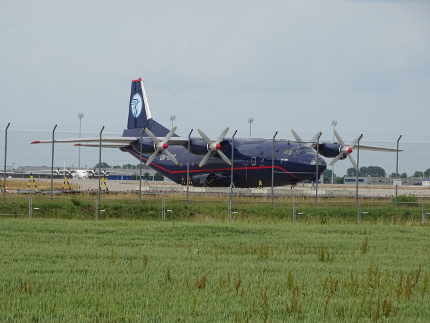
(288,64)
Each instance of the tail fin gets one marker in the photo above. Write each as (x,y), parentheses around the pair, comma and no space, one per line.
(139,112)
(139,115)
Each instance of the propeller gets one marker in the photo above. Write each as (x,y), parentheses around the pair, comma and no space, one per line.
(214,146)
(67,172)
(160,146)
(346,150)
(103,173)
(313,140)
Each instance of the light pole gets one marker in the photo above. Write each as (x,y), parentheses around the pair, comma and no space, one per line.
(172,119)
(333,124)
(80,116)
(250,121)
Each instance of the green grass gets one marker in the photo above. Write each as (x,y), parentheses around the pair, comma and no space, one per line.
(327,211)
(210,271)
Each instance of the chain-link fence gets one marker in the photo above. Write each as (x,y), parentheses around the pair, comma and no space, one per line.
(18,153)
(161,208)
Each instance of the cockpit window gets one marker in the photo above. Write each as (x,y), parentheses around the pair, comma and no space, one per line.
(298,151)
(288,151)
(303,150)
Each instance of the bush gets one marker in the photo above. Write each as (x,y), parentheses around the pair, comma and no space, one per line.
(406,199)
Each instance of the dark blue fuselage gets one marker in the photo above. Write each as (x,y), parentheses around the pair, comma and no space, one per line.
(252,164)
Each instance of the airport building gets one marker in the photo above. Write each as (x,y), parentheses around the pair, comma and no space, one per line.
(368,180)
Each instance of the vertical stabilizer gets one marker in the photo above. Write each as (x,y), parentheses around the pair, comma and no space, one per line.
(139,115)
(139,112)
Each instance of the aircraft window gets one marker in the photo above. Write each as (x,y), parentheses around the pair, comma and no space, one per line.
(253,161)
(288,151)
(303,150)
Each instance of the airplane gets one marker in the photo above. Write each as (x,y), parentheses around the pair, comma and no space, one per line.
(82,173)
(74,173)
(213,161)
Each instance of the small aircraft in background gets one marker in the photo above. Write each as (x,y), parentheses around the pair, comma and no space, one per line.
(212,161)
(74,173)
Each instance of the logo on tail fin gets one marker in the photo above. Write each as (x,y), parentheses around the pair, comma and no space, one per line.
(136,105)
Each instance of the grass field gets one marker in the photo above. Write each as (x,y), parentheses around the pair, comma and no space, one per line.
(209,271)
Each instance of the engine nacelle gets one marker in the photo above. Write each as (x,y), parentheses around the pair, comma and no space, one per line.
(198,146)
(147,145)
(329,150)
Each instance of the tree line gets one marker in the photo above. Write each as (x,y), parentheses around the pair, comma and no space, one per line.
(370,171)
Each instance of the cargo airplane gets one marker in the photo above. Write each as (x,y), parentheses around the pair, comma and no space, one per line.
(212,161)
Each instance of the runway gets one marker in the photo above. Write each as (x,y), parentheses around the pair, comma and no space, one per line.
(168,187)
(328,190)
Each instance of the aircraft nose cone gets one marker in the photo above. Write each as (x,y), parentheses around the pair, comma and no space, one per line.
(322,165)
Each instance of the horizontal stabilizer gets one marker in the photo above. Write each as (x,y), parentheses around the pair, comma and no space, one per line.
(122,141)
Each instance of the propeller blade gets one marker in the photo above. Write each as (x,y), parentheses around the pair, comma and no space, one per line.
(222,135)
(353,162)
(355,141)
(152,136)
(205,159)
(170,134)
(335,159)
(203,135)
(171,157)
(315,138)
(312,143)
(339,139)
(152,157)
(297,137)
(224,157)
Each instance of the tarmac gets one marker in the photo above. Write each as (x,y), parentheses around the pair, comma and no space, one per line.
(166,187)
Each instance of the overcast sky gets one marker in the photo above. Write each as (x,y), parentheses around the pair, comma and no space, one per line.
(212,64)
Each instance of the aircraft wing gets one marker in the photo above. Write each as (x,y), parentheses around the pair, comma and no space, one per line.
(104,145)
(108,142)
(374,148)
(177,141)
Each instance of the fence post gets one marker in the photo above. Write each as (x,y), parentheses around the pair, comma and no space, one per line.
(358,212)
(422,213)
(294,212)
(97,209)
(30,207)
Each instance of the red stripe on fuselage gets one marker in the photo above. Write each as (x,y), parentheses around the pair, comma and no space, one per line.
(212,170)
